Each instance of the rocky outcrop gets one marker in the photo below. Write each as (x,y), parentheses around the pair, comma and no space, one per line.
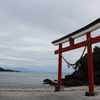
(80,76)
(48,81)
(77,78)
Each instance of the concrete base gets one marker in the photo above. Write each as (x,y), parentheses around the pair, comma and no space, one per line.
(91,93)
(59,88)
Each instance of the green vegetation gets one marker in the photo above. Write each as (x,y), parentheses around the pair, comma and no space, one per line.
(96,61)
(7,70)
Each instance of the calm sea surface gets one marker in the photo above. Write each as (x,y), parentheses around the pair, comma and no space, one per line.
(26,79)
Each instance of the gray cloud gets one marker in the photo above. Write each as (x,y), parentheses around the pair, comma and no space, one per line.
(27,28)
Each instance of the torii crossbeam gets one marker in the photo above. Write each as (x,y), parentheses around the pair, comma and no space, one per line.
(71,37)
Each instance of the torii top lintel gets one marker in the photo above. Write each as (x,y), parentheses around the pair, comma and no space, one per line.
(78,33)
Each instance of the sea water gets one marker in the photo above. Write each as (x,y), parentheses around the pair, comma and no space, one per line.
(26,79)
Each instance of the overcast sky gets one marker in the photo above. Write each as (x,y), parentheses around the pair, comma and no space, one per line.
(27,28)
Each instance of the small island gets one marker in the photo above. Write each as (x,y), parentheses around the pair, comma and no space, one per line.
(7,70)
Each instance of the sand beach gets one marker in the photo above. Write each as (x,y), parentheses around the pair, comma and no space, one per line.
(70,93)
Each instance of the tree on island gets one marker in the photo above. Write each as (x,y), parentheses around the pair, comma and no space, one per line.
(96,61)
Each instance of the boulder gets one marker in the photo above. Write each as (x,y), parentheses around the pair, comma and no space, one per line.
(48,81)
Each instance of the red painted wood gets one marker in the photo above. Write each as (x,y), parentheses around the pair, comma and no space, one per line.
(75,46)
(95,40)
(78,45)
(60,66)
(90,65)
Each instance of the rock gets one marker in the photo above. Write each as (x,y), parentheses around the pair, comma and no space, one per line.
(48,81)
(77,78)
(74,82)
(55,80)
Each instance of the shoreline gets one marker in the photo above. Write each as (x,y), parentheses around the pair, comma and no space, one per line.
(77,88)
(70,93)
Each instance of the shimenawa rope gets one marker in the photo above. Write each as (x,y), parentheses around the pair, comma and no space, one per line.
(77,62)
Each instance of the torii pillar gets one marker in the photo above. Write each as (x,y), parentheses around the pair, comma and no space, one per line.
(90,68)
(60,66)
(59,87)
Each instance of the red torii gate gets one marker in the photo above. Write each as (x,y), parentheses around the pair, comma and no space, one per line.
(83,31)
